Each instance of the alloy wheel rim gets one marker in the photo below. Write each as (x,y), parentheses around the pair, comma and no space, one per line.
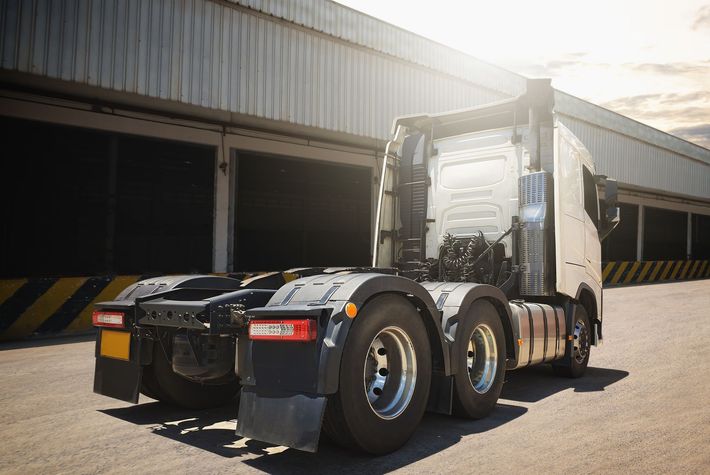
(390,372)
(581,341)
(481,359)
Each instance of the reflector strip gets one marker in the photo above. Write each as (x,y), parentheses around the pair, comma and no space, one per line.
(107,319)
(285,330)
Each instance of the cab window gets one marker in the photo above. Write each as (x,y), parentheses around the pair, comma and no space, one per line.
(591,204)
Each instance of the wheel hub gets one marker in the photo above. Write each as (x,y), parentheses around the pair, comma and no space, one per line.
(390,372)
(581,341)
(482,358)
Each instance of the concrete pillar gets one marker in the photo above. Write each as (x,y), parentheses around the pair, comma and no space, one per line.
(221,210)
(639,235)
(689,246)
(232,218)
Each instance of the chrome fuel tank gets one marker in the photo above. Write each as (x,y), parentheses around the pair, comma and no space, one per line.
(542,331)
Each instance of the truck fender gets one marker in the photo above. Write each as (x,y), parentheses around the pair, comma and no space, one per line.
(588,298)
(361,290)
(454,299)
(164,283)
(334,292)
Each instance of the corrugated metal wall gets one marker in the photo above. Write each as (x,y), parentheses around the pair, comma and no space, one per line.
(634,153)
(343,22)
(594,114)
(632,161)
(219,56)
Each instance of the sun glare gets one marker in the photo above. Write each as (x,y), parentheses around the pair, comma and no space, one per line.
(602,51)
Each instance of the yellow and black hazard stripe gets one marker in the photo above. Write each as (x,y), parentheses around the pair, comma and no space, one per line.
(636,272)
(46,306)
(52,305)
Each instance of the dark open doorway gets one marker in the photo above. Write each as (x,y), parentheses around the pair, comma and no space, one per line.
(292,213)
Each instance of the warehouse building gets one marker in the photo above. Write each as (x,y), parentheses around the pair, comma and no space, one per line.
(224,136)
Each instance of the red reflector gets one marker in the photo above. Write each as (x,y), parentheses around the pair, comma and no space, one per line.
(101,318)
(288,330)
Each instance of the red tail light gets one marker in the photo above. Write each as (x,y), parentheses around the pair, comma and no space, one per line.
(283,330)
(101,318)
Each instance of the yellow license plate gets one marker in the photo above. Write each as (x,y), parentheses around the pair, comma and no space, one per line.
(116,344)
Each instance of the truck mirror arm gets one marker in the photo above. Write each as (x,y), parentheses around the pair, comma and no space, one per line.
(611,221)
(612,216)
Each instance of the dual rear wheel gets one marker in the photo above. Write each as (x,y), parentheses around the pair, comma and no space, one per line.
(160,382)
(480,351)
(385,374)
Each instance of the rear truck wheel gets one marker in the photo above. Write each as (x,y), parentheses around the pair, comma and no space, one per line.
(385,374)
(162,383)
(480,352)
(150,388)
(576,359)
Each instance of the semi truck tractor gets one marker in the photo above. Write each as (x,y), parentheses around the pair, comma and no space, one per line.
(486,258)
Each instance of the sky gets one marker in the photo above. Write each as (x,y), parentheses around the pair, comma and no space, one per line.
(646,59)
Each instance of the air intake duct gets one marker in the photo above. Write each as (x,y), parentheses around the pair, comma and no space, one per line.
(536,238)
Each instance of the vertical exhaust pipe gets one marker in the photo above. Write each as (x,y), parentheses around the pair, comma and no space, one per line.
(539,98)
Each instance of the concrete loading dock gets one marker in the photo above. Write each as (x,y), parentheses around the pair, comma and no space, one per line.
(199,91)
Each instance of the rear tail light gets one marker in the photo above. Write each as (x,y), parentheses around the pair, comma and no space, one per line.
(288,330)
(101,318)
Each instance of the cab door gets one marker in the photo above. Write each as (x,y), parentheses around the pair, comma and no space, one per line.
(569,212)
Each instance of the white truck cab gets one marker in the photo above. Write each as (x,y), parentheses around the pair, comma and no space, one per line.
(479,172)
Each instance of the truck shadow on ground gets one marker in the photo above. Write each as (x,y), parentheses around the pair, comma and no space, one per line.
(538,382)
(213,430)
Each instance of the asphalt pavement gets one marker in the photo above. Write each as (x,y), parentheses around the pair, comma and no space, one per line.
(644,406)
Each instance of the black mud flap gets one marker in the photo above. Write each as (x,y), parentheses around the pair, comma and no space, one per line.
(289,419)
(117,379)
(121,379)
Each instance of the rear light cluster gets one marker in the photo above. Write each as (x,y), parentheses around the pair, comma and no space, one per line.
(101,318)
(288,330)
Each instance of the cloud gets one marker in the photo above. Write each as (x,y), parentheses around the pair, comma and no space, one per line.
(558,66)
(652,107)
(702,18)
(686,114)
(631,102)
(687,106)
(699,134)
(574,61)
(671,68)
(697,96)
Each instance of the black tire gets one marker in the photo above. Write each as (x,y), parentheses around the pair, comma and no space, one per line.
(576,359)
(477,402)
(351,421)
(162,383)
(150,388)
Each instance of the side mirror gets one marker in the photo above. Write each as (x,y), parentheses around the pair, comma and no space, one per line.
(611,221)
(611,189)
(611,216)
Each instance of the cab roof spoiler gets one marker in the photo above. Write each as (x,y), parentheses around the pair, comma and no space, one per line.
(539,95)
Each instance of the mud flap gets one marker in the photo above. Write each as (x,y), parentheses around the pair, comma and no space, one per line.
(121,379)
(281,418)
(117,379)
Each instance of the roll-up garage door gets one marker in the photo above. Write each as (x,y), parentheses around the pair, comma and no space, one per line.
(293,213)
(82,202)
